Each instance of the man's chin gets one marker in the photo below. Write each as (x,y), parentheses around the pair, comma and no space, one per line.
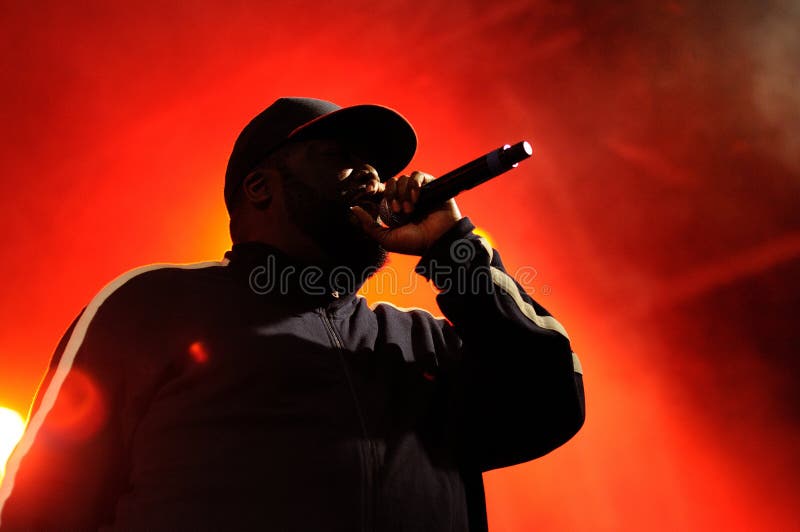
(360,254)
(349,247)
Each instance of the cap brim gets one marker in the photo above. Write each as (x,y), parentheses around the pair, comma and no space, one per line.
(380,135)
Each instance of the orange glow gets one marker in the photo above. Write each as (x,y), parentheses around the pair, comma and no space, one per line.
(11,428)
(80,410)
(485,234)
(657,217)
(198,352)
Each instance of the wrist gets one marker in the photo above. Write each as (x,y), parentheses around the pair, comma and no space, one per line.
(439,250)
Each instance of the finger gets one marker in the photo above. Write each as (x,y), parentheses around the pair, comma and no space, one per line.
(389,193)
(402,184)
(368,224)
(426,178)
(417,180)
(402,194)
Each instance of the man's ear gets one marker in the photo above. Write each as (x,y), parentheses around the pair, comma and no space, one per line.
(257,187)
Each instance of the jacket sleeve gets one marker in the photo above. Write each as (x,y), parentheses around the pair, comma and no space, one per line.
(66,472)
(517,388)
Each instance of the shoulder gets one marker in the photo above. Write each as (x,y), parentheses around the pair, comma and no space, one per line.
(390,314)
(152,284)
(386,308)
(419,330)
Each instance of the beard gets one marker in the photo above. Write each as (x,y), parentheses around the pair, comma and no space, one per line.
(327,222)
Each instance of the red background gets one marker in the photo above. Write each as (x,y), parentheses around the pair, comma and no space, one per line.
(660,209)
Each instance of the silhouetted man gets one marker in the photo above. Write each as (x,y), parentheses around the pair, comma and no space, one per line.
(261,392)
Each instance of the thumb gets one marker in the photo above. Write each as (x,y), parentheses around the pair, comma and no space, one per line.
(368,224)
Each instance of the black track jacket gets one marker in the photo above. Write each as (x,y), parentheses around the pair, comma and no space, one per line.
(199,397)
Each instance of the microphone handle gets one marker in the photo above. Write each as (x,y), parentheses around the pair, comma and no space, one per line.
(465,177)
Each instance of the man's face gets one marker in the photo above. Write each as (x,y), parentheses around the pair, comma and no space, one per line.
(321,180)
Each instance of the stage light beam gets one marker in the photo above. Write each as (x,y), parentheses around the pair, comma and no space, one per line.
(12,425)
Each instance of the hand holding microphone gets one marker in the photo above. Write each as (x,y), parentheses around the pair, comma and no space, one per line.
(413,228)
(467,176)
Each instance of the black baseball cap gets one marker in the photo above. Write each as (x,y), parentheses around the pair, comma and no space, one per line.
(380,135)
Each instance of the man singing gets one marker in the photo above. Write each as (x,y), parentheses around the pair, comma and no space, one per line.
(261,392)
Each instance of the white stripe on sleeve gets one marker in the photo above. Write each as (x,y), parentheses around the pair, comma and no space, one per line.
(505,282)
(65,365)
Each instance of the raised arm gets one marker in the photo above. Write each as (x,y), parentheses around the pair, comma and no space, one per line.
(520,388)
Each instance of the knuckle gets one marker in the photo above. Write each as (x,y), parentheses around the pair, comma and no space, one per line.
(420,176)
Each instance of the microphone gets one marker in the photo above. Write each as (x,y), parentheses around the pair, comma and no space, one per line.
(438,191)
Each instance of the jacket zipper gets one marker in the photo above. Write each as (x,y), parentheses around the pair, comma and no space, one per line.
(369,459)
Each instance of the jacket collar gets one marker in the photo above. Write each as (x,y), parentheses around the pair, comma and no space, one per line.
(271,273)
